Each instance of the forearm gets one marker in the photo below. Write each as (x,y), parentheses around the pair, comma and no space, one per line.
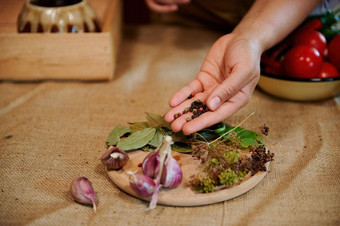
(269,21)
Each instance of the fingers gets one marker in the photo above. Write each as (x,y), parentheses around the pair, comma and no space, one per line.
(165,6)
(207,119)
(238,79)
(203,121)
(191,89)
(179,109)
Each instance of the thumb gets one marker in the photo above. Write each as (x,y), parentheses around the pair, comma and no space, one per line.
(227,89)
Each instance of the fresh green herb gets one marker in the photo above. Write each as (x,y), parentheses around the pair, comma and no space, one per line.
(230,177)
(248,137)
(222,161)
(221,164)
(220,130)
(182,143)
(213,134)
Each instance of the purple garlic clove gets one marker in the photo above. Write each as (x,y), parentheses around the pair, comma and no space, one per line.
(172,173)
(142,184)
(82,191)
(151,164)
(115,158)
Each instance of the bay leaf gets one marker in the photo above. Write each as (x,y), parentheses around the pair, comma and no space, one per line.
(148,148)
(156,120)
(157,139)
(137,140)
(136,126)
(181,147)
(115,134)
(180,137)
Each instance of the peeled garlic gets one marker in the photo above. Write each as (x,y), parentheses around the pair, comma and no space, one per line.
(82,191)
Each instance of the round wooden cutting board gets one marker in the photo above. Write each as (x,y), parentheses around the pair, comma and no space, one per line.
(183,195)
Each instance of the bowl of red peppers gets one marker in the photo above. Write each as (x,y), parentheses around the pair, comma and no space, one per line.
(305,66)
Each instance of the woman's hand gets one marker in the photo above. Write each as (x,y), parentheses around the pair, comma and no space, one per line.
(165,6)
(231,68)
(226,81)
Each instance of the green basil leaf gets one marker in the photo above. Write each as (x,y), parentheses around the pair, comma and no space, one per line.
(137,140)
(155,120)
(116,134)
(249,141)
(248,137)
(136,126)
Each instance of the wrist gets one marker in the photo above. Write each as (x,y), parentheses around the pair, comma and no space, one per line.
(257,39)
(270,21)
(254,33)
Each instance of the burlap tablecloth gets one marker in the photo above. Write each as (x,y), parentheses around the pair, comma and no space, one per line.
(54,131)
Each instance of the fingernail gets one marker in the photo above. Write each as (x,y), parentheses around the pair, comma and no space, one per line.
(214,103)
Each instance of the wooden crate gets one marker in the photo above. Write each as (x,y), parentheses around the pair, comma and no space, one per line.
(80,56)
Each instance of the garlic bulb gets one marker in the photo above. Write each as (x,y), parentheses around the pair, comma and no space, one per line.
(161,160)
(160,169)
(82,191)
(142,184)
(169,174)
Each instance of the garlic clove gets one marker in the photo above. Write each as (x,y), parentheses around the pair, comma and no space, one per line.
(172,173)
(159,165)
(142,184)
(169,174)
(150,165)
(82,191)
(115,158)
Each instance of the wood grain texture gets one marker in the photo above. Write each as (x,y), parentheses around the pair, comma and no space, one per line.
(50,56)
(83,56)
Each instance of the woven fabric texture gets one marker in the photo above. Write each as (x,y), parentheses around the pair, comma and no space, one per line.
(54,131)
